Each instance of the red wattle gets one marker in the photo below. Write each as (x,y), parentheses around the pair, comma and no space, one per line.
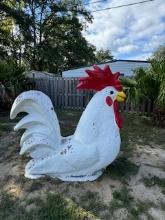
(118,119)
(109,100)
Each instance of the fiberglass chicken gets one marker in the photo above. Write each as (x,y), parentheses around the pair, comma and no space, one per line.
(93,146)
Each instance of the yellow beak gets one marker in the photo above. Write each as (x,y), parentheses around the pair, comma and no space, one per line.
(120,96)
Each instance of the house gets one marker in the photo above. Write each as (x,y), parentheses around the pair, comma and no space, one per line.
(37,74)
(125,67)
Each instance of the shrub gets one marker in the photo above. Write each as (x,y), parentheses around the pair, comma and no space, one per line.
(11,81)
(149,84)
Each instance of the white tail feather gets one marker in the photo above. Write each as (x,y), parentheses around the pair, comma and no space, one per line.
(28,121)
(41,123)
(37,130)
(35,141)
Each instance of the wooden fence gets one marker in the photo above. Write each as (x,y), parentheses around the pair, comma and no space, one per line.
(63,93)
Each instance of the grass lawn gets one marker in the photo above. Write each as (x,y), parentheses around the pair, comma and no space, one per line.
(131,188)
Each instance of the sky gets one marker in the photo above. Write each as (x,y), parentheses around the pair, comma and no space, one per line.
(132,32)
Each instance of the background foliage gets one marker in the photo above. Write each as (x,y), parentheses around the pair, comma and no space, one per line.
(149,84)
(45,34)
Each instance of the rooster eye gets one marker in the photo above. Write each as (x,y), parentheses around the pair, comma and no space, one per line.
(111,92)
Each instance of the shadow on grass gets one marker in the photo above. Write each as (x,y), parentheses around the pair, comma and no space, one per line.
(122,168)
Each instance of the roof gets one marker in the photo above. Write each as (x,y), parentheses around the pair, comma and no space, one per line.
(137,61)
(111,61)
(125,67)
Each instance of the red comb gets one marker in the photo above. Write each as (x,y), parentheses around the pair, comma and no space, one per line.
(98,79)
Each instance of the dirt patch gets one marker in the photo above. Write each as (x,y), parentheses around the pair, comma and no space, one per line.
(141,160)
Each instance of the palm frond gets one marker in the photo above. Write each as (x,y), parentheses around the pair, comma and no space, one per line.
(130,88)
(161,97)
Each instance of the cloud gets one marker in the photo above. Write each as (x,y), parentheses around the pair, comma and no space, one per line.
(143,56)
(134,31)
(127,48)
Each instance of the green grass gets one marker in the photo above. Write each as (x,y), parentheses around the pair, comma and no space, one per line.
(162,205)
(123,196)
(142,208)
(152,181)
(21,180)
(123,199)
(137,130)
(91,201)
(54,207)
(122,168)
(35,185)
(5,127)
(68,120)
(29,185)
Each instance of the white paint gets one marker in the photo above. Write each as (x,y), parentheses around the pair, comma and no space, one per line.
(80,157)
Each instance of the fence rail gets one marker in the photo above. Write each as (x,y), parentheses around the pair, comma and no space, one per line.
(63,93)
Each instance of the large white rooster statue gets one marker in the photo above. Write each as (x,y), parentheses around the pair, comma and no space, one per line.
(93,146)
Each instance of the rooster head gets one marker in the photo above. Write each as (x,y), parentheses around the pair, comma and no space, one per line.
(103,79)
(109,86)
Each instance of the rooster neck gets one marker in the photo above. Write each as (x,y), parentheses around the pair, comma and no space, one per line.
(97,121)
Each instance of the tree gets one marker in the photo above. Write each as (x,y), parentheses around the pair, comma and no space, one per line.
(159,54)
(50,32)
(11,80)
(5,27)
(10,40)
(103,55)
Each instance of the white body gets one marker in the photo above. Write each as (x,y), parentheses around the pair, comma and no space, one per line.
(80,157)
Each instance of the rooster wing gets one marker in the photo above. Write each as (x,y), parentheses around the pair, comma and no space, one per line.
(71,159)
